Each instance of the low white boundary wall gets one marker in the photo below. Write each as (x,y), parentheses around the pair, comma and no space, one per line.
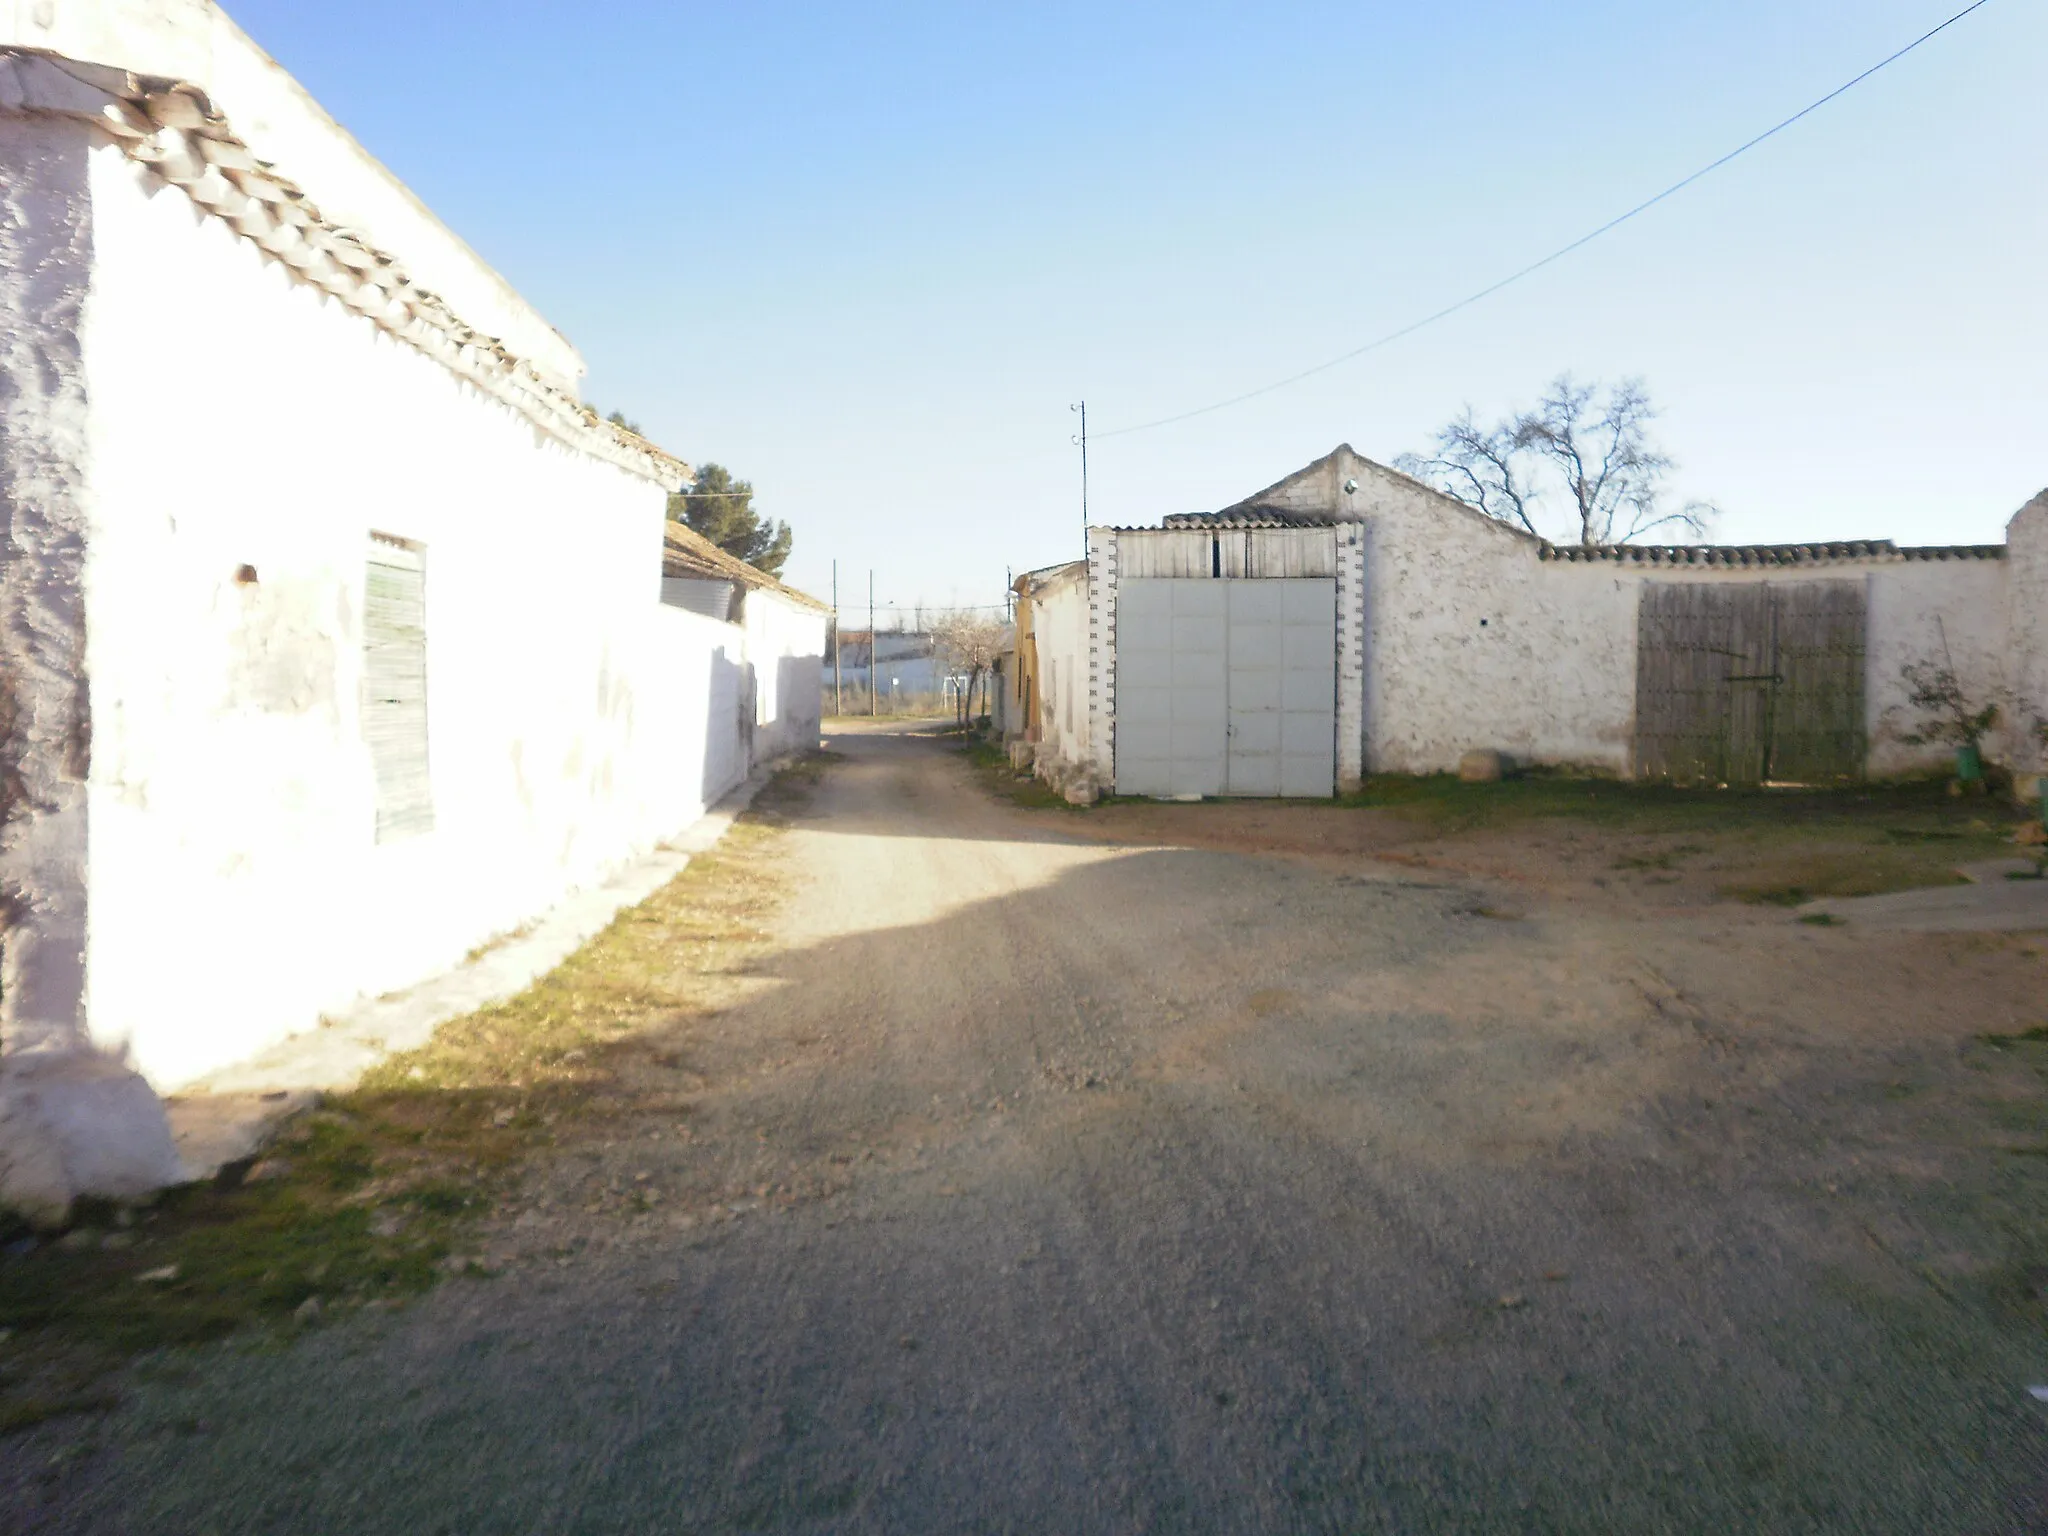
(1474,641)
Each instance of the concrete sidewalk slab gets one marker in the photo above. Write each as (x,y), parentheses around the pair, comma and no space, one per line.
(231,1115)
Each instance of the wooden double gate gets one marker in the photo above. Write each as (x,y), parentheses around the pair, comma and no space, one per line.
(1751,682)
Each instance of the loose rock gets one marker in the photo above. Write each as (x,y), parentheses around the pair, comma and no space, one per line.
(1482,767)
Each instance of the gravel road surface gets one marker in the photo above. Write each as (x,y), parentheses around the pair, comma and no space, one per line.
(1160,1189)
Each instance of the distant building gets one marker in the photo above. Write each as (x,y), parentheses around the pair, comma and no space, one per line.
(903,663)
(1350,619)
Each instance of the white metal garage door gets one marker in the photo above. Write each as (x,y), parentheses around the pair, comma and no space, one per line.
(1226,687)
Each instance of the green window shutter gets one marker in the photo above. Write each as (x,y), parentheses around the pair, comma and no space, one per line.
(395,689)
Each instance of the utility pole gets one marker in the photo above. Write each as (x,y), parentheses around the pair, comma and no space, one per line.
(874,660)
(838,699)
(1083,441)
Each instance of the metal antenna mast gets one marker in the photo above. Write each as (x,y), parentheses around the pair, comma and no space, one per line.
(1082,439)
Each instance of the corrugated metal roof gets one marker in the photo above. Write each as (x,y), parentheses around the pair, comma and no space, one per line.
(1750,555)
(686,552)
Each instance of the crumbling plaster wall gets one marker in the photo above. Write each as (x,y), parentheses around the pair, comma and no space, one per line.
(248,433)
(46,250)
(1931,611)
(1060,629)
(1473,641)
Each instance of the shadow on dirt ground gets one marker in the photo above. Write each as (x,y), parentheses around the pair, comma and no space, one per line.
(1010,1178)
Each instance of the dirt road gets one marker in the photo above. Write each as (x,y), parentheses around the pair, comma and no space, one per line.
(1041,1184)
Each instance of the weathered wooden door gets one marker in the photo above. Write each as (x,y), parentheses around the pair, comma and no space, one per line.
(395,689)
(1743,683)
(1817,731)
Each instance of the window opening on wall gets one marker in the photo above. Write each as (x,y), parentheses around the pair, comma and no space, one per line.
(395,686)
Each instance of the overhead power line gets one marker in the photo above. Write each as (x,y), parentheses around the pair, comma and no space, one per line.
(1557,255)
(940,610)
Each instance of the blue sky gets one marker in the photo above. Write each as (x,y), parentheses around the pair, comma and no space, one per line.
(867,256)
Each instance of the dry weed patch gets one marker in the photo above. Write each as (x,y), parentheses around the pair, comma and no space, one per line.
(992,762)
(377,1195)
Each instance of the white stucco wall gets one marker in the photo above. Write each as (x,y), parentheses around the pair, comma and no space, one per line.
(1924,611)
(240,418)
(1060,629)
(786,650)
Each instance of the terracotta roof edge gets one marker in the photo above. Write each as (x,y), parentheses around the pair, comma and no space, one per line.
(1820,552)
(680,539)
(173,128)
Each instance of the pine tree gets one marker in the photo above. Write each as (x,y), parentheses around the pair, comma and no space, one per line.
(722,509)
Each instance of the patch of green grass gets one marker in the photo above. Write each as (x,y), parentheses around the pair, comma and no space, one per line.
(1908,811)
(1821,920)
(992,760)
(207,1261)
(1771,895)
(1844,876)
(227,1257)
(985,751)
(2038,1035)
(1663,859)
(25,1412)
(1789,845)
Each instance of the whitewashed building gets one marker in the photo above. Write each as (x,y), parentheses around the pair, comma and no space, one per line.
(1046,718)
(1349,619)
(332,631)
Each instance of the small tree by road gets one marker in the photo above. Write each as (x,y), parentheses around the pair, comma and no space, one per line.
(969,643)
(1584,447)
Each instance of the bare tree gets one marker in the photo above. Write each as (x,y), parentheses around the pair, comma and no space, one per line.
(1596,451)
(969,643)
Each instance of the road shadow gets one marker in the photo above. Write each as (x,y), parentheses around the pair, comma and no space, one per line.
(1178,1191)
